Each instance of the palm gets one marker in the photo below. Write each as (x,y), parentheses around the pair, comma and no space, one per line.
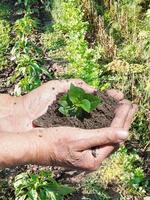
(23,110)
(18,115)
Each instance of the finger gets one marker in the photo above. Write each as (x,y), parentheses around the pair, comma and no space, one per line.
(118,122)
(93,163)
(130,117)
(98,137)
(121,114)
(116,94)
(103,153)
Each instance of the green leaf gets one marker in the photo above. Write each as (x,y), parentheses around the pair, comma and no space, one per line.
(42,195)
(33,194)
(77,100)
(65,190)
(64,111)
(94,100)
(75,94)
(63,101)
(86,105)
(60,189)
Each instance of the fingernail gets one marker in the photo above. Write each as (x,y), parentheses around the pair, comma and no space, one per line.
(122,134)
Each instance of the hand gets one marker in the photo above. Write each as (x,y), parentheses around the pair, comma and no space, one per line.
(44,151)
(71,147)
(17,113)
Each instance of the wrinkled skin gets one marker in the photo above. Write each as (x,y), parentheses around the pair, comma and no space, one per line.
(63,146)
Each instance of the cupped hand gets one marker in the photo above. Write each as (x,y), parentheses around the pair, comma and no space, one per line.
(64,146)
(17,113)
(71,147)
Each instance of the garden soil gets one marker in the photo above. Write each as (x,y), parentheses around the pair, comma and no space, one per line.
(101,117)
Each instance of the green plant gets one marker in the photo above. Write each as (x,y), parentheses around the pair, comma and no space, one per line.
(4,11)
(70,26)
(28,4)
(124,170)
(92,189)
(4,41)
(25,26)
(39,186)
(5,37)
(76,101)
(27,56)
(31,70)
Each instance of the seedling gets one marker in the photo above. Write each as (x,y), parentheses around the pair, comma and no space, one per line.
(77,101)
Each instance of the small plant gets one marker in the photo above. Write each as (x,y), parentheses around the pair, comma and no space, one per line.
(77,101)
(39,186)
(25,26)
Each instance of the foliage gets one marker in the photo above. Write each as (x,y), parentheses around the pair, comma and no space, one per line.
(4,41)
(76,101)
(92,189)
(25,26)
(28,5)
(70,26)
(27,56)
(31,71)
(124,169)
(39,186)
(132,80)
(4,11)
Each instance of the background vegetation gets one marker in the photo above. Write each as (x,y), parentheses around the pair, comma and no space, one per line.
(107,44)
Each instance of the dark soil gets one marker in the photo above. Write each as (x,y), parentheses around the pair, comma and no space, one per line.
(101,117)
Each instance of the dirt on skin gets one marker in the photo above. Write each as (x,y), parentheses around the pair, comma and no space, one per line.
(101,117)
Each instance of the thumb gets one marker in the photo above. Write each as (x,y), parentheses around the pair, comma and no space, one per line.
(100,137)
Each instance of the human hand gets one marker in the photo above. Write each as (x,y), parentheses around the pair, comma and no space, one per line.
(71,147)
(17,113)
(123,118)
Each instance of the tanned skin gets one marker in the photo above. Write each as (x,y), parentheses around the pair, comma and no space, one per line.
(21,143)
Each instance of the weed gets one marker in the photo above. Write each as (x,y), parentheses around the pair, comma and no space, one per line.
(39,186)
(123,169)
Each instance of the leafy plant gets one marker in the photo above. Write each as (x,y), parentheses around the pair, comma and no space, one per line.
(28,4)
(124,169)
(76,101)
(70,26)
(31,71)
(39,186)
(4,10)
(4,41)
(25,26)
(27,56)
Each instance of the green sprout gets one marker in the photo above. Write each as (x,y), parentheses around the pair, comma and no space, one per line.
(77,101)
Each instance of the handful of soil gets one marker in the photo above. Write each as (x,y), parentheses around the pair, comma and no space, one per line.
(101,117)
